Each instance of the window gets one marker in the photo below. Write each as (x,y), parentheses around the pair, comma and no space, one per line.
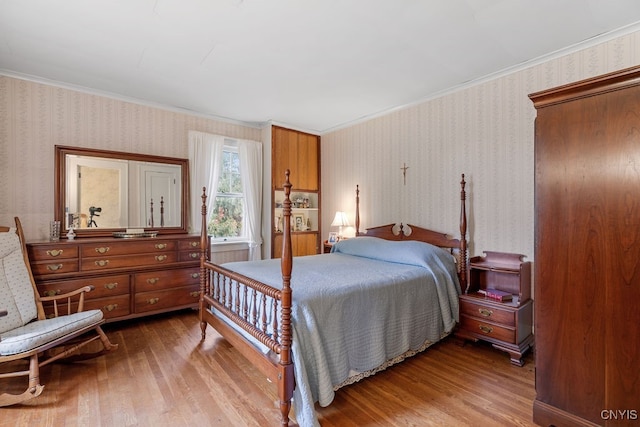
(227,216)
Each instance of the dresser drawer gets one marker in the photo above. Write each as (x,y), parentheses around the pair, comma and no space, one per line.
(165,279)
(112,307)
(127,261)
(127,248)
(189,244)
(487,312)
(53,252)
(103,286)
(158,300)
(190,256)
(486,329)
(54,267)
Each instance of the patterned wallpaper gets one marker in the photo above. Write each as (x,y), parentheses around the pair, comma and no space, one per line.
(34,117)
(485,131)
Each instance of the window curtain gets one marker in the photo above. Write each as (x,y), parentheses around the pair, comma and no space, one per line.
(205,157)
(250,154)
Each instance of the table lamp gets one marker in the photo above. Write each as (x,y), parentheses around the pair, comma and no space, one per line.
(340,220)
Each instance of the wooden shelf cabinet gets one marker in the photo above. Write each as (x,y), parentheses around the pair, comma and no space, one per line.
(131,277)
(300,153)
(507,325)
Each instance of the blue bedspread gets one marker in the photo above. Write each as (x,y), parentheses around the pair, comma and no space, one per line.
(367,302)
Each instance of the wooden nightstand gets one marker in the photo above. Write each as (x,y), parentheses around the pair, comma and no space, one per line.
(327,247)
(507,325)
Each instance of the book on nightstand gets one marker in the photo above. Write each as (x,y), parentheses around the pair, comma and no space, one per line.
(496,294)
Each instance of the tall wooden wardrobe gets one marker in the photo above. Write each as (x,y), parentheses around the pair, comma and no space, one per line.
(587,252)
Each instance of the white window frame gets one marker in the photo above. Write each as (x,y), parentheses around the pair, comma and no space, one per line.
(230,145)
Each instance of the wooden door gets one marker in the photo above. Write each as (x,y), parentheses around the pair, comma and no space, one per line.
(298,152)
(301,244)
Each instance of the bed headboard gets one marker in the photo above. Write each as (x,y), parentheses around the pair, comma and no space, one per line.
(458,247)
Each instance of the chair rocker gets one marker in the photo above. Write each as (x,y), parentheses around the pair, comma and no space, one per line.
(26,334)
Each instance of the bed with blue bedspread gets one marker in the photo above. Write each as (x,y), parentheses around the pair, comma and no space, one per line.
(316,323)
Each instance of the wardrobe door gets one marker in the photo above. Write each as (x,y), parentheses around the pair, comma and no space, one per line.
(622,262)
(570,280)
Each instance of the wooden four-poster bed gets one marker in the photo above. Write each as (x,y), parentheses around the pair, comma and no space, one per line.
(351,315)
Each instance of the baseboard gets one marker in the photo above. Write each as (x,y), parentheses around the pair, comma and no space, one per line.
(550,416)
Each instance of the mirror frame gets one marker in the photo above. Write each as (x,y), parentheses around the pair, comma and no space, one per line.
(61,153)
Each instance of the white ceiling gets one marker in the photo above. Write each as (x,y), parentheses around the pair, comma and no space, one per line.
(314,65)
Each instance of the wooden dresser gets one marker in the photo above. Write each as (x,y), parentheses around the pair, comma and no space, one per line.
(132,277)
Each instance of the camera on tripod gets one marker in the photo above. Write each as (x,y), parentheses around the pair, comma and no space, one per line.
(92,213)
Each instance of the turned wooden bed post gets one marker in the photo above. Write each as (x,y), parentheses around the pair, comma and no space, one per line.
(203,258)
(286,381)
(357,210)
(463,237)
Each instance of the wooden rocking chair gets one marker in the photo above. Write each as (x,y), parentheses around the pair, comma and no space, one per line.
(25,333)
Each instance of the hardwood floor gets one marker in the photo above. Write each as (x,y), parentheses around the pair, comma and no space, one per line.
(162,375)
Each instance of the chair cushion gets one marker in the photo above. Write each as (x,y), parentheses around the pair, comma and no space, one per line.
(40,332)
(16,291)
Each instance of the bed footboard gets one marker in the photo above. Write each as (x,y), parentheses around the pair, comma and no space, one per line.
(254,317)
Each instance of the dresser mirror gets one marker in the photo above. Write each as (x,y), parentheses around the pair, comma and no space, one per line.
(99,192)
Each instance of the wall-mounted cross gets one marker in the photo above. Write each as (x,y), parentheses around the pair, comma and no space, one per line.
(404,172)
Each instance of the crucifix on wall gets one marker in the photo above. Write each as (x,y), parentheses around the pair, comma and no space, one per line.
(404,172)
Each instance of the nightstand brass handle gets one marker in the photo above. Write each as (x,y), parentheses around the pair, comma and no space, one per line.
(102,262)
(110,307)
(485,312)
(55,252)
(52,293)
(161,257)
(161,246)
(195,294)
(153,280)
(195,244)
(54,267)
(194,255)
(486,329)
(103,249)
(195,275)
(111,286)
(153,300)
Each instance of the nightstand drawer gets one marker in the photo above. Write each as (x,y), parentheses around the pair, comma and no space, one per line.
(487,329)
(487,312)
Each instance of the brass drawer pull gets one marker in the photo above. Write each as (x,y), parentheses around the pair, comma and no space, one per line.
(161,257)
(485,312)
(195,294)
(153,300)
(111,286)
(103,250)
(195,275)
(102,262)
(486,329)
(194,244)
(110,307)
(52,293)
(161,246)
(54,267)
(153,280)
(194,255)
(55,252)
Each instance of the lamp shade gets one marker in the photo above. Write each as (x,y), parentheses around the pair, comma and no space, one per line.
(340,220)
